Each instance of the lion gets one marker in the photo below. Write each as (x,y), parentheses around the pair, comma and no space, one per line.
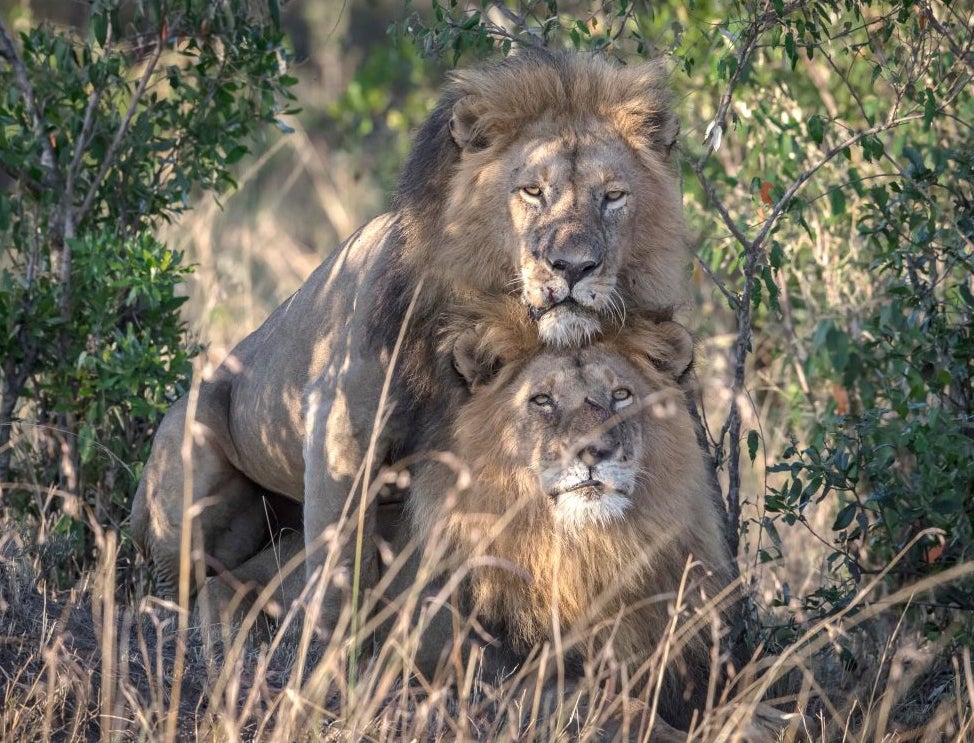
(585,513)
(548,177)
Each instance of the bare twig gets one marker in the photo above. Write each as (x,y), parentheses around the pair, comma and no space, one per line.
(962,54)
(627,16)
(753,254)
(715,201)
(747,47)
(728,295)
(80,145)
(515,19)
(800,181)
(753,249)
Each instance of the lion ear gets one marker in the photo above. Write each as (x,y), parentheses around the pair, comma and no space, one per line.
(646,112)
(471,359)
(670,348)
(663,129)
(466,124)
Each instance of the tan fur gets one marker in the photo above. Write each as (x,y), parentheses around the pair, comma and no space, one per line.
(294,409)
(612,583)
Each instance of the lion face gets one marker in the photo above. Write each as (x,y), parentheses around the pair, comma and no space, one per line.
(571,214)
(550,177)
(575,432)
(573,199)
(579,442)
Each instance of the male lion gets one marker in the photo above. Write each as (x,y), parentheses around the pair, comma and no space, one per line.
(585,513)
(545,176)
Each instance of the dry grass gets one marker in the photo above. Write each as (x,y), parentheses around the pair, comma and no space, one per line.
(100,663)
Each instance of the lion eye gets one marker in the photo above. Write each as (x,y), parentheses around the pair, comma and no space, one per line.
(615,196)
(531,192)
(543,401)
(621,397)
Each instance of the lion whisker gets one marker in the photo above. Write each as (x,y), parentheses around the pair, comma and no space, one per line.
(617,306)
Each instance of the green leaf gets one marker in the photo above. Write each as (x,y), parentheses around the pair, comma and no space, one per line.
(845,516)
(772,286)
(235,154)
(752,444)
(837,201)
(99,27)
(837,346)
(816,128)
(791,50)
(274,8)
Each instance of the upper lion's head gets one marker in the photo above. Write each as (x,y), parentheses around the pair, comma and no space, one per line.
(550,175)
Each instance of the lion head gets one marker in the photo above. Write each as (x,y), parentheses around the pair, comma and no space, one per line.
(586,490)
(572,426)
(550,176)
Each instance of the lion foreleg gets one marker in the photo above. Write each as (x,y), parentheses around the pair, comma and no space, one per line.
(339,506)
(269,582)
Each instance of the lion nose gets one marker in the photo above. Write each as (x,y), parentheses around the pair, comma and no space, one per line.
(598,451)
(575,270)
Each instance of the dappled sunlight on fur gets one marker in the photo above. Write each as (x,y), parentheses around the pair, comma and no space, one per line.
(609,579)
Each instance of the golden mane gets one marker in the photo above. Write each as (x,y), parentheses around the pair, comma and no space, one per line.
(533,85)
(447,221)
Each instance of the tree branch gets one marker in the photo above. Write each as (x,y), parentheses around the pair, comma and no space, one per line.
(728,295)
(730,434)
(753,32)
(80,145)
(8,51)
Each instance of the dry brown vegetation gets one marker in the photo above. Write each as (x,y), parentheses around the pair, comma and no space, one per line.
(99,662)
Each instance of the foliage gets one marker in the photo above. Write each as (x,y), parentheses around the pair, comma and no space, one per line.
(829,181)
(898,453)
(104,139)
(389,95)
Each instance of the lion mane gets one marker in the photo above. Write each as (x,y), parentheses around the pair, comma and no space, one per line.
(447,217)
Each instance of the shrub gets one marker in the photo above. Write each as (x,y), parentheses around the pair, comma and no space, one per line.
(104,139)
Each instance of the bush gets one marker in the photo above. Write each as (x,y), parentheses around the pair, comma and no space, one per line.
(103,140)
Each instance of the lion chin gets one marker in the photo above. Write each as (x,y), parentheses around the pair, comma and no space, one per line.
(567,325)
(589,504)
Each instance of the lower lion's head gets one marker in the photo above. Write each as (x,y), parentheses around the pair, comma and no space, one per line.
(550,175)
(576,438)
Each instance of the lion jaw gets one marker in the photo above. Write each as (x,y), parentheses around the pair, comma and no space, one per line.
(584,496)
(568,325)
(567,315)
